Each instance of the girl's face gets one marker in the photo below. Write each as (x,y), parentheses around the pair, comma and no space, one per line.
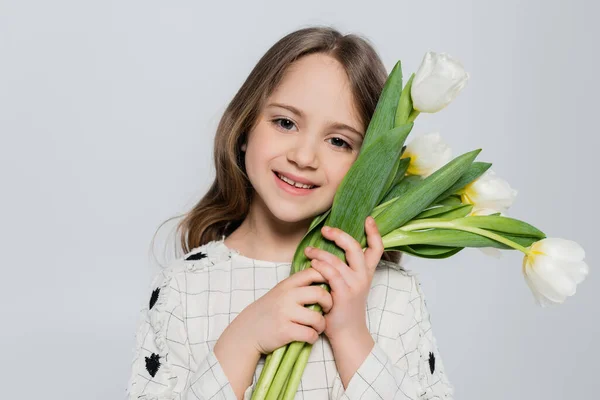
(309,129)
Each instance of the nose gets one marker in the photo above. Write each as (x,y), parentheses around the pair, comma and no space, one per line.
(304,152)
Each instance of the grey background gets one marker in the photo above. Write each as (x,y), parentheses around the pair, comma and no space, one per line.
(108,111)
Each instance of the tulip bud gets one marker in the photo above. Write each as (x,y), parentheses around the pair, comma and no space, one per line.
(437,82)
(553,269)
(427,153)
(488,192)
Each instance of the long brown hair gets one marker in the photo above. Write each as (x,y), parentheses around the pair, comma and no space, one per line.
(225,205)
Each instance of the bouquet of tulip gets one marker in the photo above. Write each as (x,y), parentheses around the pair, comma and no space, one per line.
(425,204)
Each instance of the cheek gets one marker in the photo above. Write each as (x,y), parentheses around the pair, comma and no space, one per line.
(260,145)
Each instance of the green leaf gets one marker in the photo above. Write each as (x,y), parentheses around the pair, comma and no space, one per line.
(402,168)
(498,223)
(421,195)
(430,251)
(405,105)
(317,220)
(399,176)
(451,238)
(401,187)
(446,212)
(475,171)
(390,180)
(452,200)
(383,117)
(362,185)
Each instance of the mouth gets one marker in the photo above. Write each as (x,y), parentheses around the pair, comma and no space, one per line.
(293,185)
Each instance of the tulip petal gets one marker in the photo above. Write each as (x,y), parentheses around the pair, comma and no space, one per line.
(539,299)
(437,82)
(550,279)
(562,249)
(491,251)
(577,270)
(491,191)
(427,153)
(425,68)
(477,211)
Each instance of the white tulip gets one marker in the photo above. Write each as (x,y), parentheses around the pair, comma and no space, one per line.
(437,82)
(427,153)
(488,192)
(553,269)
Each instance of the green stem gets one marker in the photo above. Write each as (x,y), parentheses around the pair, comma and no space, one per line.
(296,375)
(284,370)
(268,373)
(288,362)
(413,115)
(263,373)
(417,225)
(285,386)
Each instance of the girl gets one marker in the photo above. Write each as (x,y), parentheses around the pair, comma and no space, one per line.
(281,150)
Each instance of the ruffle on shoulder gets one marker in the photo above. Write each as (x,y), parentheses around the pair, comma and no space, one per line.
(393,265)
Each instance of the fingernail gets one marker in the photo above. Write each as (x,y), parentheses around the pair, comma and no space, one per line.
(308,248)
(326,228)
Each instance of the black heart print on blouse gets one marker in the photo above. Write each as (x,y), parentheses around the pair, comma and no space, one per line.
(153,298)
(152,364)
(431,362)
(198,256)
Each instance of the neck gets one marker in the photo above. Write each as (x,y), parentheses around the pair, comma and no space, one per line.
(262,236)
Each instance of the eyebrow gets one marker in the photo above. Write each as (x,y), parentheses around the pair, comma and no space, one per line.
(336,125)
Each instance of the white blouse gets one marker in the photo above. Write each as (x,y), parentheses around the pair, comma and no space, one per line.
(192,301)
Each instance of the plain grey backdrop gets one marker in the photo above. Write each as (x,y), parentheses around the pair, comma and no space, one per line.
(108,111)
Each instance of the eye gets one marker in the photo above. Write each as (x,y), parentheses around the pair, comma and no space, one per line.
(286,120)
(288,124)
(342,142)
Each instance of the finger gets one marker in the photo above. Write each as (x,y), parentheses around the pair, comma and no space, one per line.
(305,278)
(302,333)
(336,281)
(375,246)
(354,253)
(314,295)
(305,316)
(336,262)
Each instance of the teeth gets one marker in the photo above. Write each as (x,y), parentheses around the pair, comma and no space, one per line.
(291,182)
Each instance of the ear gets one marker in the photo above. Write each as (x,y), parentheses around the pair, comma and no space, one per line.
(244,145)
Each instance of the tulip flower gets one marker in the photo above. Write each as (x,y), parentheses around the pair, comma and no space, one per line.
(427,153)
(488,192)
(553,268)
(437,82)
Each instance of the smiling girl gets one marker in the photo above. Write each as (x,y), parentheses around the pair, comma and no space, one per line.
(282,148)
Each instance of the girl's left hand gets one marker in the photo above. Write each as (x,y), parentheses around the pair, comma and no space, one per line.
(349,283)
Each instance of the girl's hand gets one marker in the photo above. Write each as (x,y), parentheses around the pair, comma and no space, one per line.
(280,317)
(350,283)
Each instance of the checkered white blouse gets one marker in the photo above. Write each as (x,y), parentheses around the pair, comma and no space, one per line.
(192,301)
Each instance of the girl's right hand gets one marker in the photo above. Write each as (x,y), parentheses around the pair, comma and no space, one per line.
(280,317)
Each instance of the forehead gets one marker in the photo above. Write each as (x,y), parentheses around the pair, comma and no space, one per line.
(319,86)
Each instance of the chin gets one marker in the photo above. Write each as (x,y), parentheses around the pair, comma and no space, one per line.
(285,214)
(289,213)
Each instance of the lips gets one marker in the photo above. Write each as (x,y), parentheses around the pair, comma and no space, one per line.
(297,179)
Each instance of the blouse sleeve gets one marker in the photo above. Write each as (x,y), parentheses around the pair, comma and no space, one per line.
(407,367)
(163,366)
